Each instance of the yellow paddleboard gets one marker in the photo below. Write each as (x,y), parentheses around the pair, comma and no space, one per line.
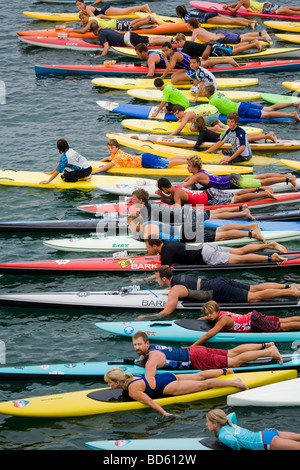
(169,151)
(105,400)
(272,53)
(172,151)
(128,83)
(34,178)
(167,127)
(293,27)
(156,95)
(40,15)
(292,85)
(291,163)
(295,38)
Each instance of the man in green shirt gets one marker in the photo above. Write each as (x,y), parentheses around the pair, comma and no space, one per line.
(246,109)
(170,97)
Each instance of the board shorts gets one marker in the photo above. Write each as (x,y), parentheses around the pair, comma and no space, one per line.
(227,290)
(267,436)
(215,254)
(249,110)
(243,181)
(153,161)
(204,358)
(124,26)
(75,175)
(221,50)
(261,322)
(270,8)
(209,234)
(218,197)
(230,38)
(133,39)
(203,17)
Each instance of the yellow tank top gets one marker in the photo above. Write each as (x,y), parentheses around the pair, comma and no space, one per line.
(124,159)
(256,7)
(111,24)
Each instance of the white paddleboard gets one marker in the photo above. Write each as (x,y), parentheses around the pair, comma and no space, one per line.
(286,393)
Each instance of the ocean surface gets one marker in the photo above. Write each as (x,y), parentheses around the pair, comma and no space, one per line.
(36,113)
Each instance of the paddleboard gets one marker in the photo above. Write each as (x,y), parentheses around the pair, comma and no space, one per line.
(284,394)
(167,29)
(291,163)
(137,70)
(156,95)
(190,142)
(292,85)
(295,38)
(129,83)
(168,151)
(219,7)
(130,297)
(71,225)
(166,127)
(278,53)
(33,179)
(75,44)
(178,444)
(127,189)
(41,15)
(107,400)
(95,244)
(174,19)
(96,370)
(190,330)
(275,98)
(292,26)
(127,208)
(145,112)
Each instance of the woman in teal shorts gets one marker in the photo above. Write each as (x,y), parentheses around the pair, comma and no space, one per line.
(238,438)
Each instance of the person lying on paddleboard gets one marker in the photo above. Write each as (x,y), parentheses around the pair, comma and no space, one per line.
(174,59)
(220,289)
(118,25)
(170,97)
(223,37)
(157,356)
(170,232)
(211,196)
(213,17)
(149,210)
(246,109)
(201,179)
(107,10)
(122,159)
(175,252)
(263,7)
(73,166)
(147,389)
(208,112)
(253,321)
(206,134)
(238,438)
(108,38)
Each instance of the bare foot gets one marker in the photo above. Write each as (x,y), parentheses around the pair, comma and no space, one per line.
(277,246)
(146,8)
(240,384)
(275,354)
(295,116)
(270,194)
(271,136)
(276,257)
(293,181)
(257,234)
(246,214)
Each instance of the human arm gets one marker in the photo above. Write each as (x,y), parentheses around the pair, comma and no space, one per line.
(234,6)
(170,305)
(143,398)
(105,50)
(227,160)
(183,122)
(207,52)
(160,107)
(53,175)
(214,147)
(223,323)
(103,168)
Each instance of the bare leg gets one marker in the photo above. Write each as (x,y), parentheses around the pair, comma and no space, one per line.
(246,353)
(244,47)
(255,137)
(231,231)
(136,24)
(173,161)
(272,178)
(290,324)
(209,63)
(250,196)
(273,293)
(257,247)
(114,11)
(289,11)
(285,441)
(222,19)
(232,213)
(180,78)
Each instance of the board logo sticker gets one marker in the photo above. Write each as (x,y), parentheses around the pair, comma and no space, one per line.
(126,262)
(121,443)
(20,403)
(62,261)
(128,330)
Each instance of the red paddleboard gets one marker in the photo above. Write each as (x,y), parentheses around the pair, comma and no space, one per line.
(219,7)
(132,69)
(127,208)
(54,33)
(134,264)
